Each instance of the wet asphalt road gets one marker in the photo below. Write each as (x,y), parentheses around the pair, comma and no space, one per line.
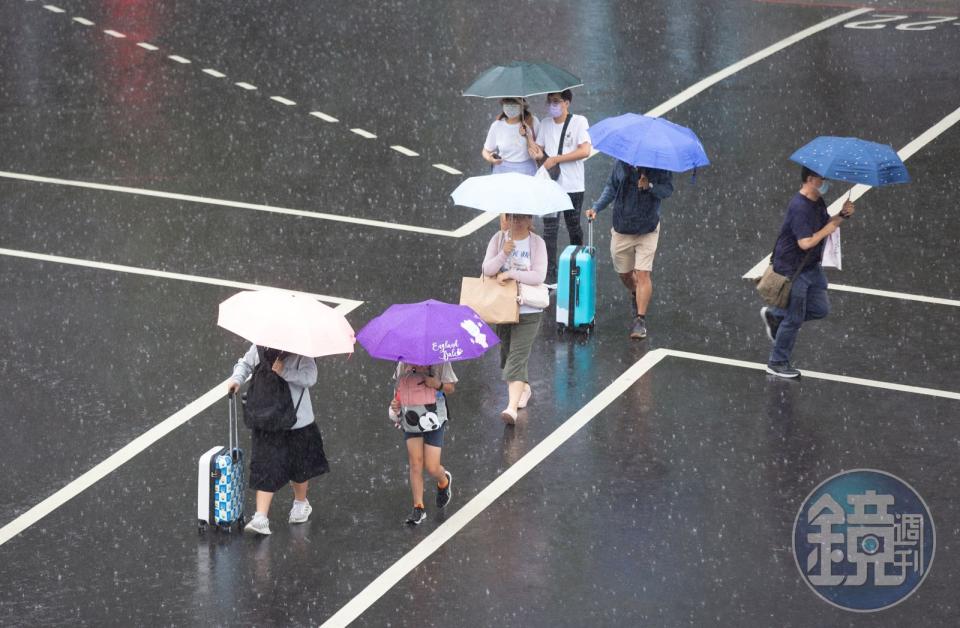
(674,506)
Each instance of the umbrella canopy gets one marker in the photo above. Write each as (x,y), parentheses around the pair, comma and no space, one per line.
(649,142)
(520,79)
(513,193)
(853,160)
(429,332)
(289,321)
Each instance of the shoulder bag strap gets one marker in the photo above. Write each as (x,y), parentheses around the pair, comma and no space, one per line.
(563,133)
(803,262)
(297,407)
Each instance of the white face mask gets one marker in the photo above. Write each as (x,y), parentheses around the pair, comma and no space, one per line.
(823,189)
(512,111)
(555,109)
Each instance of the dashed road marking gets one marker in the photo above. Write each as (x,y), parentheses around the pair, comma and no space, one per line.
(447,168)
(54,8)
(280,99)
(83,20)
(323,116)
(403,150)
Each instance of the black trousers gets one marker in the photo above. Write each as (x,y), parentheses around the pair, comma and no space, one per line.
(551,226)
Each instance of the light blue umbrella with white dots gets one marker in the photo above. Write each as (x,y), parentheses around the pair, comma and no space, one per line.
(853,160)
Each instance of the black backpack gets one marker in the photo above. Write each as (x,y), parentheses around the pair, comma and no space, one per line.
(267,404)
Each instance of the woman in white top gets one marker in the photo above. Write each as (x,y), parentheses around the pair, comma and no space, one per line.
(521,255)
(512,139)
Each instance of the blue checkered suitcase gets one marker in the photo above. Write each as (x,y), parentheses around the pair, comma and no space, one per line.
(576,286)
(220,481)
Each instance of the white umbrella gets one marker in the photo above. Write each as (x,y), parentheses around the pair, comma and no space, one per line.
(512,193)
(289,321)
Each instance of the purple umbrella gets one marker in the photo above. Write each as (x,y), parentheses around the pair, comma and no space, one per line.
(429,332)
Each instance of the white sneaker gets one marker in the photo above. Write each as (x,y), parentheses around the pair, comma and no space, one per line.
(259,525)
(300,512)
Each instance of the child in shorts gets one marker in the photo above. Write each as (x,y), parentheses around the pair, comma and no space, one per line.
(419,409)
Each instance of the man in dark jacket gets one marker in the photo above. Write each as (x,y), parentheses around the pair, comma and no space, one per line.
(636,194)
(800,246)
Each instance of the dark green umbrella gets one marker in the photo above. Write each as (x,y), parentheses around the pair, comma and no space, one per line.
(520,79)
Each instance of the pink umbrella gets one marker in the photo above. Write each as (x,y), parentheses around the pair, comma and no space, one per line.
(289,321)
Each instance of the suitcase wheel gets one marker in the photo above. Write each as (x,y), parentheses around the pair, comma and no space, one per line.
(560,328)
(241,523)
(201,526)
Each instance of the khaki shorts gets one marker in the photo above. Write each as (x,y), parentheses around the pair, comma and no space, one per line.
(633,252)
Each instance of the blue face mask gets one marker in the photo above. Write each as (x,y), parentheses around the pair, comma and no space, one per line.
(823,189)
(556,110)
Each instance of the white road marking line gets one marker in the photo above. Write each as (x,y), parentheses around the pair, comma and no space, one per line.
(323,116)
(83,20)
(403,150)
(104,468)
(844,379)
(115,34)
(282,100)
(135,270)
(142,442)
(713,79)
(422,550)
(858,190)
(54,8)
(363,133)
(214,73)
(895,295)
(447,168)
(425,548)
(476,222)
(761,266)
(245,85)
(147,46)
(178,59)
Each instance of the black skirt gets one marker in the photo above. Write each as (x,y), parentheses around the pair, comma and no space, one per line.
(279,458)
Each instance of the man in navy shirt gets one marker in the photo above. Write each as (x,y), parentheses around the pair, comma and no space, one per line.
(800,245)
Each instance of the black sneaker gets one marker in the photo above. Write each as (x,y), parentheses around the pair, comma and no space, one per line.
(443,494)
(770,322)
(639,329)
(416,517)
(783,370)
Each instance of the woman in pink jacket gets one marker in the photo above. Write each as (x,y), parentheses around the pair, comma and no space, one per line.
(517,253)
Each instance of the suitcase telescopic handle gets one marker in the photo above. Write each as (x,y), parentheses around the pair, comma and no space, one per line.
(233,422)
(590,233)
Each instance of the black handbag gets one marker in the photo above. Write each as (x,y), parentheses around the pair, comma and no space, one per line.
(555,171)
(267,404)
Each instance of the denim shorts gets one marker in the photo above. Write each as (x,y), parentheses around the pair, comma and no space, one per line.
(434,438)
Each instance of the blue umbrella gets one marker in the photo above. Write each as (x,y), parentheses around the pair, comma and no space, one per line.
(649,142)
(853,160)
